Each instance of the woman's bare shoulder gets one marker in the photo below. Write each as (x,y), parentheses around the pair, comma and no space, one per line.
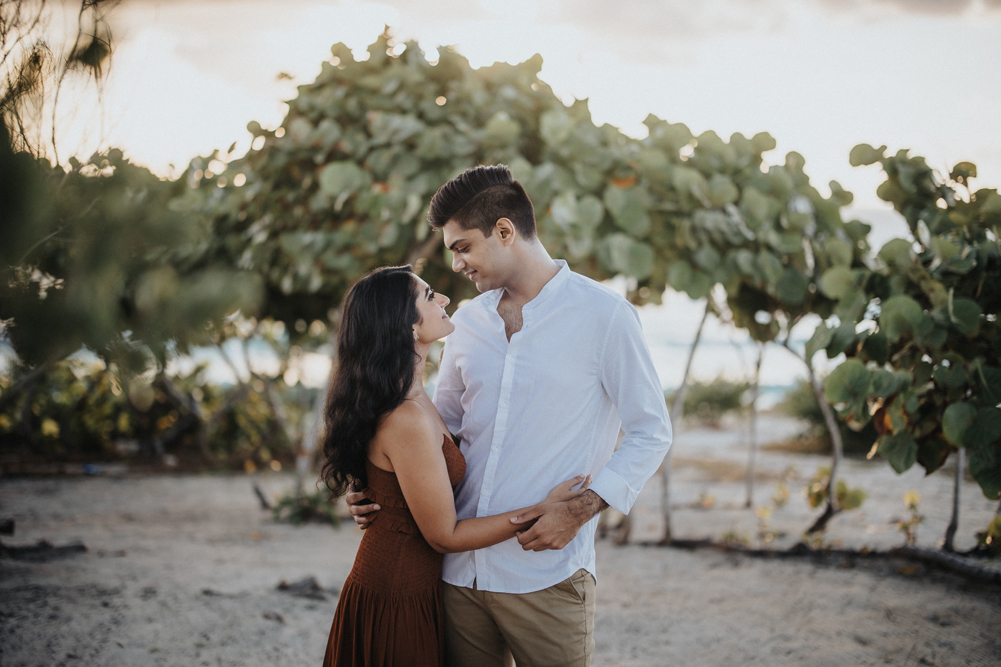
(406,426)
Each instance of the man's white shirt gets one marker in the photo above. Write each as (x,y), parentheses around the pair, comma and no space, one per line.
(542,408)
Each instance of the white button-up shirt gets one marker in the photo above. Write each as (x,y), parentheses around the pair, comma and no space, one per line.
(542,408)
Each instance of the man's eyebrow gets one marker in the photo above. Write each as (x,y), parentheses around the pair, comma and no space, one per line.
(455,243)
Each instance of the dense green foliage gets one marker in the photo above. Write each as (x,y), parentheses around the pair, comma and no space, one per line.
(79,412)
(925,363)
(708,402)
(343,186)
(94,257)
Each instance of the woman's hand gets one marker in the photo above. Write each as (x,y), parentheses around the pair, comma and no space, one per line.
(565,491)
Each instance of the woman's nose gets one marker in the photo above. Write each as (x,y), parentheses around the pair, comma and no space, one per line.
(442,299)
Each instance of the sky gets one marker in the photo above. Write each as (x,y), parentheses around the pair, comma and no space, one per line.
(820,75)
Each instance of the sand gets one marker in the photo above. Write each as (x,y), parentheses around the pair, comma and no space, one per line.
(182,570)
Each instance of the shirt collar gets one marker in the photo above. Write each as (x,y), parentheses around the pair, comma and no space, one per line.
(548,290)
(551,288)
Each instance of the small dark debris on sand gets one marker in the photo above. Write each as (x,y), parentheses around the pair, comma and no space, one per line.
(306,588)
(274,616)
(42,551)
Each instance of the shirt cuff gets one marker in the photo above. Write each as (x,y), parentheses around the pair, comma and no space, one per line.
(614,490)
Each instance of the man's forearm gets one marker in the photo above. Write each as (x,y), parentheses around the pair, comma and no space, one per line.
(585,506)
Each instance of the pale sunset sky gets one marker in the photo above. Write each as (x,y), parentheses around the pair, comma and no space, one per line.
(819,75)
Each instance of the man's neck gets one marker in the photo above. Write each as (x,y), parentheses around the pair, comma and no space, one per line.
(534,272)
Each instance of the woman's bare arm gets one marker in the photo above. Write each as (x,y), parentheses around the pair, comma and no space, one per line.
(412,441)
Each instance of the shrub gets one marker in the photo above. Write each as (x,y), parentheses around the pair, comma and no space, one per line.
(300,508)
(708,402)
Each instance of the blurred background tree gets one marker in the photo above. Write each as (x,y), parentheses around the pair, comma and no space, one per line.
(343,186)
(93,258)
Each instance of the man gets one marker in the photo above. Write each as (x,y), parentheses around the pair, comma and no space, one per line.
(542,369)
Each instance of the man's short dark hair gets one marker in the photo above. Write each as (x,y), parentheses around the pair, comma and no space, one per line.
(479,197)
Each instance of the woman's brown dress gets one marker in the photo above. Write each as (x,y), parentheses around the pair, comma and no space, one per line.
(390,609)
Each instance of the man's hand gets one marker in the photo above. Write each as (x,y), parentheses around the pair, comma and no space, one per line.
(360,505)
(556,524)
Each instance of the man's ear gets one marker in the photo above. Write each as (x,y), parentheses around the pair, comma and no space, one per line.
(506,231)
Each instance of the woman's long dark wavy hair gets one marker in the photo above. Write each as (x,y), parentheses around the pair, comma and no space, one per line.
(375,368)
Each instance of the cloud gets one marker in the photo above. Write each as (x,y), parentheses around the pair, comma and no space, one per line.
(928,7)
(672,18)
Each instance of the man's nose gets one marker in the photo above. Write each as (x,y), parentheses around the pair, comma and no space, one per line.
(457,262)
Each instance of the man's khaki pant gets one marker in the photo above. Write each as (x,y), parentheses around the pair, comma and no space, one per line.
(553,627)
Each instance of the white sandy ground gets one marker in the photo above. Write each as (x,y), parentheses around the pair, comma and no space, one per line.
(157,543)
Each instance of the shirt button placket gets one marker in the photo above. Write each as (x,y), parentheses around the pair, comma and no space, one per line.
(490,471)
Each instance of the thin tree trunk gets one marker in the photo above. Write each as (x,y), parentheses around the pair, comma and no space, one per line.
(25,426)
(194,409)
(832,427)
(313,430)
(950,532)
(424,250)
(753,427)
(676,413)
(12,393)
(230,363)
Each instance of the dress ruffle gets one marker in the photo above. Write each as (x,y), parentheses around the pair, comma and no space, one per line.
(375,630)
(390,610)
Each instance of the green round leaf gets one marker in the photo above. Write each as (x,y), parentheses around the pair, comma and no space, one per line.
(555,126)
(700,285)
(722,191)
(707,258)
(956,421)
(590,211)
(628,256)
(985,466)
(770,265)
(836,282)
(838,251)
(897,254)
(985,429)
(900,450)
(792,287)
(628,209)
(849,385)
(864,154)
(821,338)
(756,205)
(876,348)
(965,314)
(502,128)
(763,142)
(338,178)
(679,275)
(900,315)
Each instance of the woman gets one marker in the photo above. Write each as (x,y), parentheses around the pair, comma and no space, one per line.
(383,432)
